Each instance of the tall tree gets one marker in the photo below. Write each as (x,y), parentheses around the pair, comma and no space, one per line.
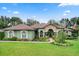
(74,20)
(15,21)
(31,22)
(77,20)
(4,21)
(52,22)
(65,22)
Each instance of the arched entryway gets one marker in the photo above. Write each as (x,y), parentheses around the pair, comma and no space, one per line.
(50,33)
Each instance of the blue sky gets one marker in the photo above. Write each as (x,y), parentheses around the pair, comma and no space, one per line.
(40,11)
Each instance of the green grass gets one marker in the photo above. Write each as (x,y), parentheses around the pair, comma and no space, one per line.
(37,49)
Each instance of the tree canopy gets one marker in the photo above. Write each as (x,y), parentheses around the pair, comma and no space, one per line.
(31,22)
(7,21)
(11,21)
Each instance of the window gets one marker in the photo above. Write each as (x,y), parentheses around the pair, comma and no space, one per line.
(10,34)
(23,34)
(46,34)
(41,33)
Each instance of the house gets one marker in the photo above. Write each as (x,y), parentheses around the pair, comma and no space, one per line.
(72,31)
(23,31)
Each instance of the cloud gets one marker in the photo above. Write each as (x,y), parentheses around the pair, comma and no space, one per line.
(67,12)
(68,4)
(16,12)
(4,8)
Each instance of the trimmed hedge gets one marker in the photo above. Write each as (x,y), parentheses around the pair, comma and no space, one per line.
(41,39)
(15,39)
(2,35)
(10,39)
(22,39)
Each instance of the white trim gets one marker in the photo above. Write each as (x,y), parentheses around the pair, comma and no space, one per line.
(13,33)
(21,34)
(43,33)
(28,34)
(39,32)
(8,34)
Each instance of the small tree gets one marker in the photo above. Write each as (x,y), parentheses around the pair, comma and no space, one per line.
(61,36)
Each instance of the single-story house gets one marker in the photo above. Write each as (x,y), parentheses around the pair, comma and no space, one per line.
(23,31)
(72,31)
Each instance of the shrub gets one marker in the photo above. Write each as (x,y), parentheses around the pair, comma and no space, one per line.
(75,33)
(7,39)
(14,38)
(19,39)
(60,37)
(10,39)
(41,39)
(2,35)
(63,44)
(22,39)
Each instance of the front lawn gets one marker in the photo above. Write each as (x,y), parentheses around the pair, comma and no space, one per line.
(38,49)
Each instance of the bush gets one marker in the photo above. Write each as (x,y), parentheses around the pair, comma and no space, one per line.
(14,38)
(22,39)
(7,39)
(63,44)
(10,39)
(75,33)
(41,39)
(60,37)
(2,35)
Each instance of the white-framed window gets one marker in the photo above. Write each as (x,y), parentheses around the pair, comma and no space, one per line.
(24,34)
(41,33)
(10,34)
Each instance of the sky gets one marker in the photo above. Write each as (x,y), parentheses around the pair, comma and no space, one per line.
(41,12)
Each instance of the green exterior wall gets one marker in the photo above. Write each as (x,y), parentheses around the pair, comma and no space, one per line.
(17,34)
(29,34)
(6,34)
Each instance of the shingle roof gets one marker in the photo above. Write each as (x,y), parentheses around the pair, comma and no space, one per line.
(33,27)
(20,27)
(43,25)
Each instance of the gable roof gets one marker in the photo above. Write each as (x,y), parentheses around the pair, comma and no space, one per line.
(20,27)
(43,25)
(33,27)
(36,26)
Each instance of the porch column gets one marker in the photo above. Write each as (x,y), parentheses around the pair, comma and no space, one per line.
(8,34)
(21,34)
(39,33)
(43,33)
(13,33)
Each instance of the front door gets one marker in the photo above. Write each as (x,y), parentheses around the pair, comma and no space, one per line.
(50,33)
